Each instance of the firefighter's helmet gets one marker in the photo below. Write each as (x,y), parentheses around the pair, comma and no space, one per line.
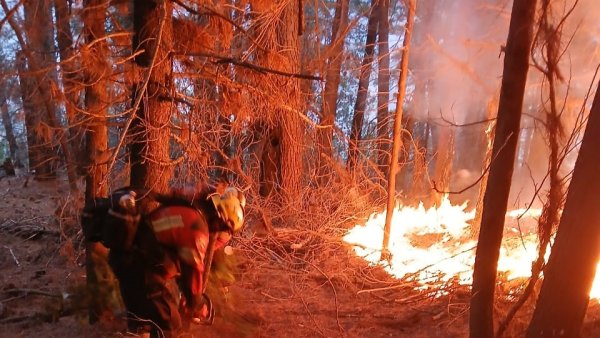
(230,207)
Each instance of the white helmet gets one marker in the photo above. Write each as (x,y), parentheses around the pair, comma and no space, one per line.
(230,207)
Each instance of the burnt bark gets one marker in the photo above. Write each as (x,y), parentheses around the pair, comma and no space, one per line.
(516,66)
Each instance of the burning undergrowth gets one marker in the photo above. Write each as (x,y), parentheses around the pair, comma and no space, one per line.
(434,248)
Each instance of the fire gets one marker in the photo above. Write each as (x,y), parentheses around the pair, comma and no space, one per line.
(433,246)
(425,243)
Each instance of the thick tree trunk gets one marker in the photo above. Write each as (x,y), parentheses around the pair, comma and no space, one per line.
(571,269)
(225,141)
(284,137)
(96,72)
(100,281)
(270,152)
(516,65)
(383,88)
(8,128)
(39,151)
(267,129)
(36,58)
(332,83)
(363,88)
(291,124)
(150,162)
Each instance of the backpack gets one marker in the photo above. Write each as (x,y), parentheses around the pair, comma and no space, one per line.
(113,220)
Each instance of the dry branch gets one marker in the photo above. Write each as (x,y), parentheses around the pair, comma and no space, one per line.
(10,13)
(220,59)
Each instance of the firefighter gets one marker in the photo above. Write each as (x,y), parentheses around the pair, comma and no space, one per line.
(162,261)
(141,266)
(192,227)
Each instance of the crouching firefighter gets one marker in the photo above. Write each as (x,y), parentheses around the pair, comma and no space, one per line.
(162,259)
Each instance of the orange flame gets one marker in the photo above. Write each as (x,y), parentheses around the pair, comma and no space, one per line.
(435,245)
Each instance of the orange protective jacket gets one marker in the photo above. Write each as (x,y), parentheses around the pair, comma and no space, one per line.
(185,231)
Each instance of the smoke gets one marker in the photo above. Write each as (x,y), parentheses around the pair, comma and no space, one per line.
(456,68)
(456,64)
(578,63)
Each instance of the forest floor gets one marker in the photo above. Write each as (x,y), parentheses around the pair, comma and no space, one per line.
(333,294)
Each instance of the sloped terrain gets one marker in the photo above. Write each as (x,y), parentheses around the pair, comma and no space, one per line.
(283,289)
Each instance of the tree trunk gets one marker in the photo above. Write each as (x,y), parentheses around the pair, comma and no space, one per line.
(96,71)
(8,128)
(34,57)
(391,198)
(404,156)
(150,162)
(71,81)
(225,141)
(487,160)
(284,137)
(266,129)
(421,61)
(291,124)
(39,151)
(37,56)
(383,87)
(270,152)
(516,65)
(571,269)
(100,281)
(419,184)
(363,88)
(332,83)
(443,163)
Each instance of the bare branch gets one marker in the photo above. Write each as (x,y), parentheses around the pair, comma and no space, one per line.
(235,61)
(10,13)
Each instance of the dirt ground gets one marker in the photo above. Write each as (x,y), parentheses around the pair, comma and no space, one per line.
(319,290)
